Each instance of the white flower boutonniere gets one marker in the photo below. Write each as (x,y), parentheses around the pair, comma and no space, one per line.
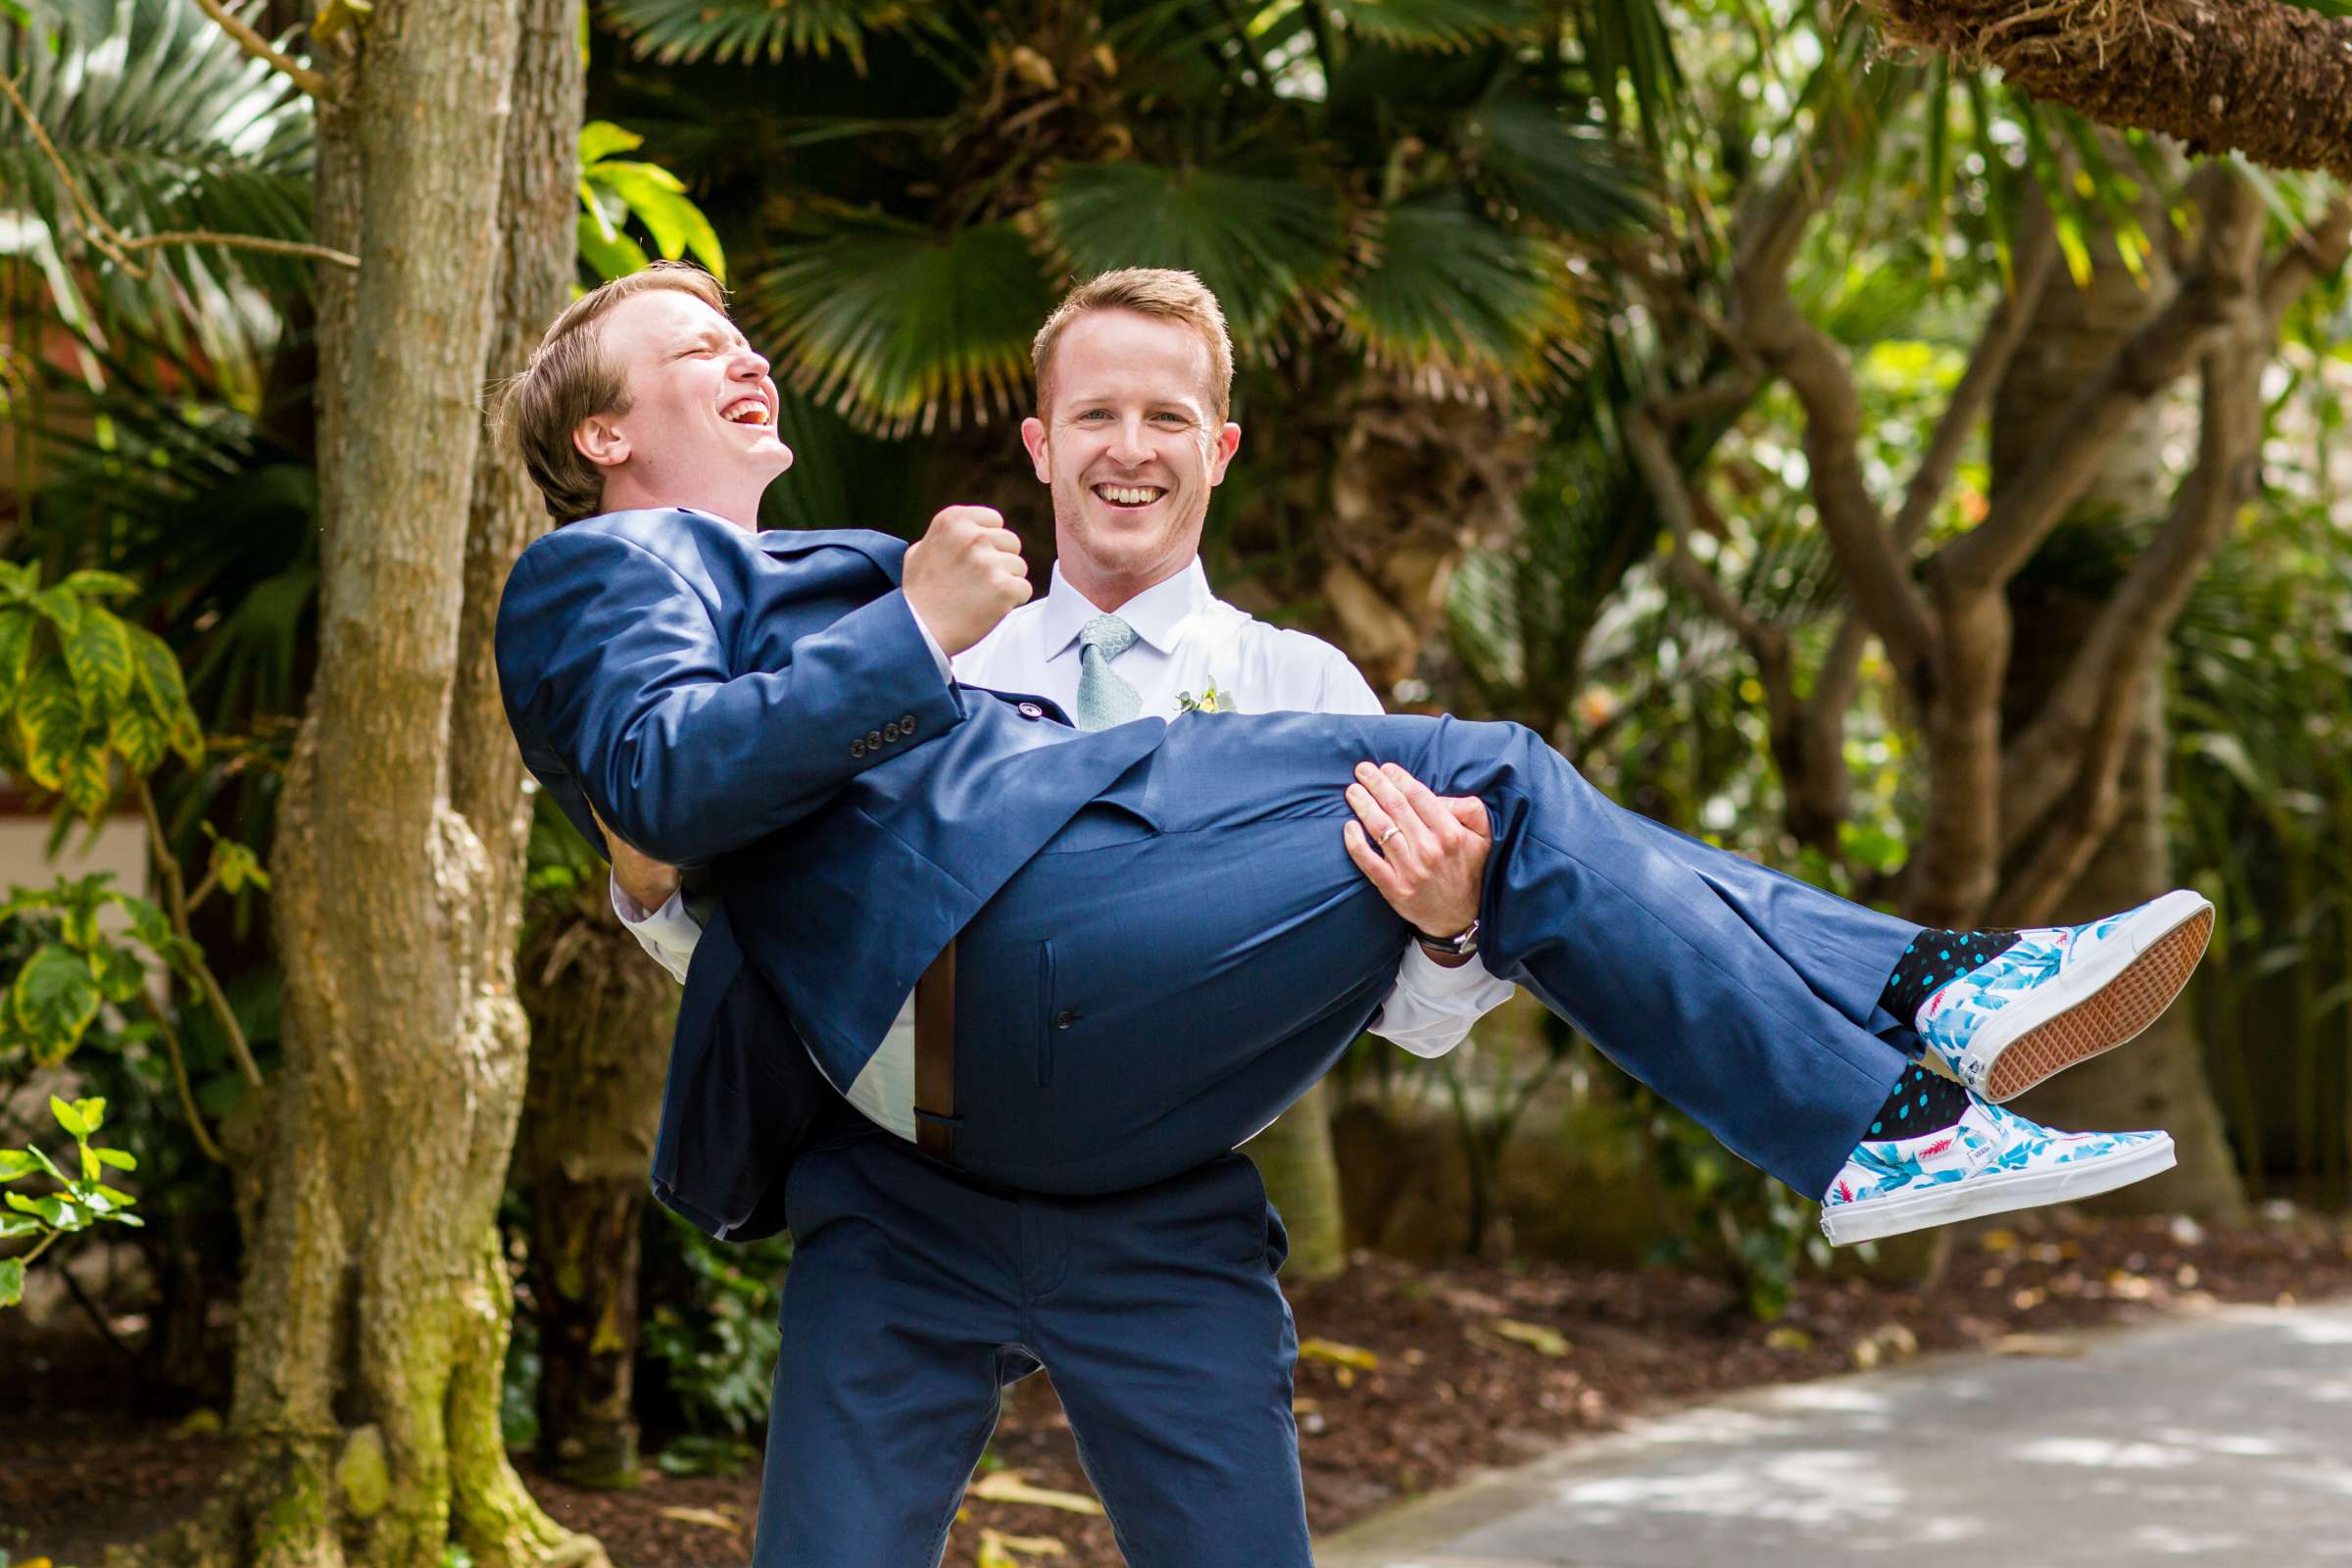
(1212,701)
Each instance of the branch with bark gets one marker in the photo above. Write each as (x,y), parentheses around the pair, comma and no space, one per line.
(1769,329)
(2073,751)
(1771,336)
(254,44)
(2262,77)
(2141,367)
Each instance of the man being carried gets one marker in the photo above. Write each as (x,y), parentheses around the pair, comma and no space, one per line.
(1140,943)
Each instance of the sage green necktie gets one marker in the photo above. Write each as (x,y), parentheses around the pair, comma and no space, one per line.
(1104,699)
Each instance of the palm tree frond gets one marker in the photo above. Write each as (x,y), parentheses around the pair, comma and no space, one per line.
(1571,176)
(747,31)
(1265,238)
(840,476)
(1435,25)
(1630,41)
(893,326)
(1460,304)
(165,125)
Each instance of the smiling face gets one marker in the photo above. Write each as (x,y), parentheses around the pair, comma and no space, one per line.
(699,425)
(1130,443)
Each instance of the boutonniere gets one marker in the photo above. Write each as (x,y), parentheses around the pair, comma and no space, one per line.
(1212,701)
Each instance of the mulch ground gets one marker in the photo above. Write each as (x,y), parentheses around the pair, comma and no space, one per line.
(1409,1379)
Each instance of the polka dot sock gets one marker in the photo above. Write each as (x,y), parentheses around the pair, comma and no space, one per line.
(1932,961)
(1922,1101)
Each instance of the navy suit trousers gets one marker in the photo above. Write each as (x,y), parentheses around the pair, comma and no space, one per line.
(916,1294)
(1196,948)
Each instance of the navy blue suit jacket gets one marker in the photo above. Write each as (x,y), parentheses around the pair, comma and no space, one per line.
(762,709)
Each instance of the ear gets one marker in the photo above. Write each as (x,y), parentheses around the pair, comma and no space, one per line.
(1033,436)
(599,440)
(1222,446)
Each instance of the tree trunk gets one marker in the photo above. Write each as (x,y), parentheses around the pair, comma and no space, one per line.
(2158,1080)
(1417,483)
(2268,79)
(601,1015)
(376,1306)
(1302,1178)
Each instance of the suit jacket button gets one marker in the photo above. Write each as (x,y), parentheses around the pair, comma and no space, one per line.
(906,725)
(857,748)
(1032,710)
(891,731)
(1064,1018)
(873,738)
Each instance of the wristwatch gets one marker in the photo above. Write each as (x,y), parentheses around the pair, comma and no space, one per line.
(1454,947)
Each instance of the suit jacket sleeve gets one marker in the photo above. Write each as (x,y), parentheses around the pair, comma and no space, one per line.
(617,681)
(1431,1008)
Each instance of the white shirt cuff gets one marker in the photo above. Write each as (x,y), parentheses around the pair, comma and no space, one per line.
(669,933)
(1431,1008)
(939,655)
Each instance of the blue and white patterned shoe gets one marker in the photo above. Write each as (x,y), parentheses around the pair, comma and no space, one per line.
(2063,994)
(1990,1161)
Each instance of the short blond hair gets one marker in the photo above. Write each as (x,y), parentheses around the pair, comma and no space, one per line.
(570,379)
(1162,293)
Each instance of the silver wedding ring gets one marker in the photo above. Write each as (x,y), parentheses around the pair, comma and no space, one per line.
(1390,834)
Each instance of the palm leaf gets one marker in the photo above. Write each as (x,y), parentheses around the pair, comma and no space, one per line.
(1439,24)
(1460,304)
(670,31)
(1629,41)
(165,125)
(893,326)
(841,477)
(1267,237)
(1571,176)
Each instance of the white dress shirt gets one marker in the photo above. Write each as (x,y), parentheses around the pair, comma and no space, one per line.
(1187,642)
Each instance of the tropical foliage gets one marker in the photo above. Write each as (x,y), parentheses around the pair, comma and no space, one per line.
(75,1203)
(1409,181)
(157,125)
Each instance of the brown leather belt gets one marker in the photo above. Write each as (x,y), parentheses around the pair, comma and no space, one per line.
(935,1057)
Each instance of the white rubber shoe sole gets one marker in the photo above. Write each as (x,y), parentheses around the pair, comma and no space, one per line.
(1996,1193)
(2114,994)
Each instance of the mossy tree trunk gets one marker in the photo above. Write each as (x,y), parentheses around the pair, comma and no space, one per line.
(376,1306)
(601,1016)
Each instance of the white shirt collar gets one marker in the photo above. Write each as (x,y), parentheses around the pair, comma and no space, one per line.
(1156,613)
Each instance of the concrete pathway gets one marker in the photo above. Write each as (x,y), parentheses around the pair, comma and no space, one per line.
(2224,1439)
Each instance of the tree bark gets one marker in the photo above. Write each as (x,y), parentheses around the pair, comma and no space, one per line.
(2262,77)
(375,1305)
(1416,484)
(2158,1080)
(1301,1173)
(2036,737)
(601,1016)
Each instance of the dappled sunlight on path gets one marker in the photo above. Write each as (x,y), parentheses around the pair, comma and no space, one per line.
(2227,1439)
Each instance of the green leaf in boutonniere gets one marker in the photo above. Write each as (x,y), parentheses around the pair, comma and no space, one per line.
(1212,701)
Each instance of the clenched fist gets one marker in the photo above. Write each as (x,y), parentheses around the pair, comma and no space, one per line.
(964,574)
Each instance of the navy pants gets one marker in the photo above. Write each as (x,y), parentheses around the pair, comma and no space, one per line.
(1196,948)
(1186,958)
(916,1294)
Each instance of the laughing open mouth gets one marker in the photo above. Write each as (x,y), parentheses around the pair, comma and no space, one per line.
(747,411)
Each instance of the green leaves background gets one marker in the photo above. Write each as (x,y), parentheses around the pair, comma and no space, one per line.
(80,687)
